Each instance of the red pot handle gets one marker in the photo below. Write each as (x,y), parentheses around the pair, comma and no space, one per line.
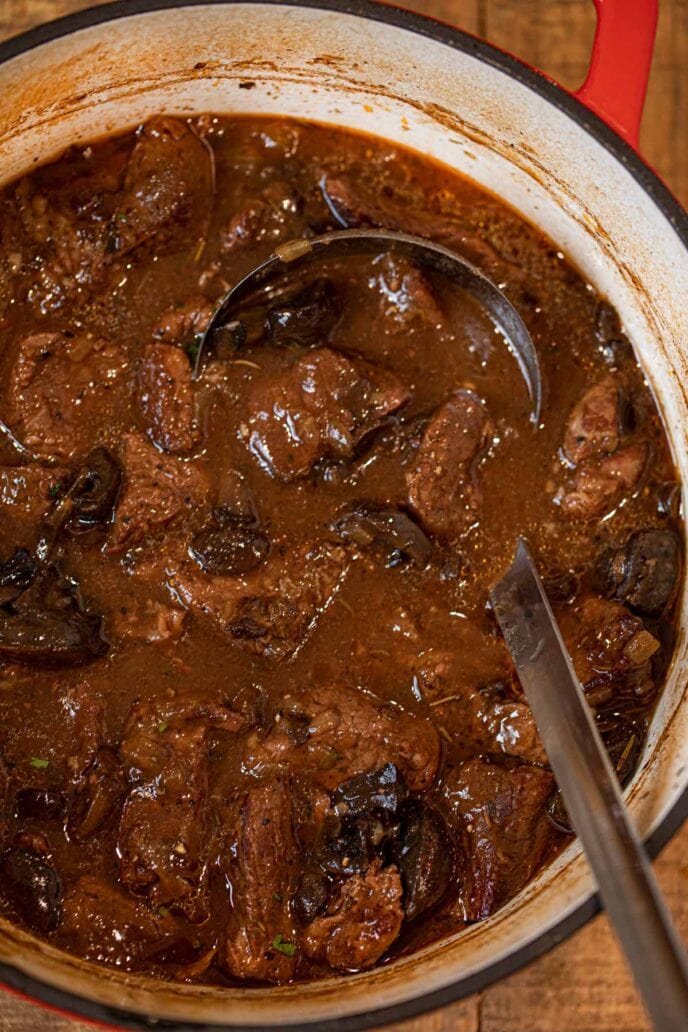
(620,65)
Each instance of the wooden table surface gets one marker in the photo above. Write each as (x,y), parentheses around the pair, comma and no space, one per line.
(582,986)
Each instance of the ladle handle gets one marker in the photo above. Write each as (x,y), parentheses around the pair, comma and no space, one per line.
(616,85)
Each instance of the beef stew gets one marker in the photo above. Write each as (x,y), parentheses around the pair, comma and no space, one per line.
(258,722)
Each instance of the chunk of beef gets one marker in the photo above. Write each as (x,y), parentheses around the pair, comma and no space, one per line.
(353,205)
(444,487)
(166,397)
(27,493)
(103,923)
(408,300)
(600,485)
(335,732)
(610,648)
(321,407)
(183,325)
(62,389)
(643,573)
(162,830)
(361,922)
(168,188)
(261,938)
(157,488)
(268,218)
(511,726)
(500,814)
(593,428)
(273,609)
(96,783)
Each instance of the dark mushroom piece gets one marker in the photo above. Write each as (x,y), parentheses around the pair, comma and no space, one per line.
(300,316)
(91,496)
(644,573)
(48,626)
(389,533)
(381,791)
(16,575)
(425,858)
(34,889)
(230,545)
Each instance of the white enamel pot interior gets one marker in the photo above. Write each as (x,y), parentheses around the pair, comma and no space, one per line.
(429,87)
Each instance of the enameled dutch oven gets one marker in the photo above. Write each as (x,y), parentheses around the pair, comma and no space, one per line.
(566,162)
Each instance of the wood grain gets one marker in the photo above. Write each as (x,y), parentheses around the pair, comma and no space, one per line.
(582,985)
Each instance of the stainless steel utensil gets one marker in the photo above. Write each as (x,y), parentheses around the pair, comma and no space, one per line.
(591,794)
(298,254)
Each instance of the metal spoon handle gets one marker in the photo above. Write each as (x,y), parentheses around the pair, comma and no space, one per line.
(592,796)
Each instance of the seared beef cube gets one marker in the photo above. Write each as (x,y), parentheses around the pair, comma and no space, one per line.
(407,298)
(103,923)
(601,484)
(168,188)
(27,493)
(61,389)
(644,573)
(334,733)
(271,610)
(511,725)
(444,487)
(268,218)
(610,648)
(157,488)
(593,428)
(162,831)
(320,408)
(166,396)
(182,326)
(261,941)
(362,921)
(500,815)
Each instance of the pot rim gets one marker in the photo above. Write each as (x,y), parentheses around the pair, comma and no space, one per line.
(31,989)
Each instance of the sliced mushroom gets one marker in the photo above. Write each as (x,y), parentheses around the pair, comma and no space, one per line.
(425,858)
(16,575)
(48,626)
(34,889)
(644,573)
(389,533)
(306,316)
(381,791)
(230,545)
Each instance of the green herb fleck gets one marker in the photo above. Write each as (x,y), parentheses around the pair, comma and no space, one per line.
(162,726)
(277,896)
(163,912)
(282,946)
(39,764)
(121,217)
(193,347)
(54,490)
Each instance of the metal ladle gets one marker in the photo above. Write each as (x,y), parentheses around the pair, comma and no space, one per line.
(298,254)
